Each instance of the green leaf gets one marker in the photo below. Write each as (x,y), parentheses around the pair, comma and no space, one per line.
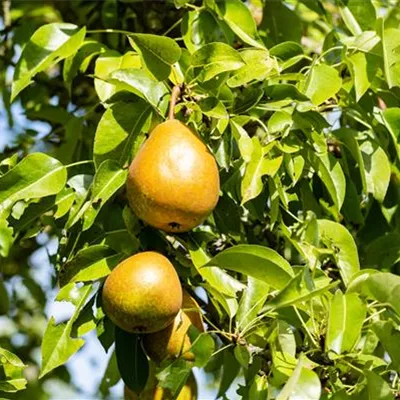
(105,331)
(108,179)
(242,355)
(286,50)
(259,388)
(258,167)
(322,84)
(389,337)
(349,138)
(338,238)
(245,143)
(126,120)
(215,58)
(346,317)
(140,82)
(67,151)
(63,201)
(158,53)
(12,367)
(174,376)
(86,320)
(252,302)
(378,388)
(214,108)
(132,362)
(248,98)
(122,241)
(80,61)
(111,375)
(48,45)
(81,184)
(280,121)
(364,13)
(6,237)
(217,278)
(107,63)
(383,252)
(280,23)
(377,169)
(181,3)
(350,20)
(331,174)
(259,66)
(257,261)
(199,28)
(302,384)
(230,370)
(203,347)
(238,17)
(89,264)
(297,291)
(383,287)
(58,345)
(391,118)
(359,70)
(228,303)
(391,56)
(37,175)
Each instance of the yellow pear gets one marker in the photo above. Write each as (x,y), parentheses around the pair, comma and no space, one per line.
(173,341)
(173,182)
(143,293)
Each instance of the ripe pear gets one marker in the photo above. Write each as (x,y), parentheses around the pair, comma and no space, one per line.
(173,341)
(143,293)
(173,182)
(188,392)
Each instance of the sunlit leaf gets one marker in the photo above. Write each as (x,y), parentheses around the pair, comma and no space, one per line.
(37,175)
(339,239)
(302,384)
(215,58)
(58,345)
(256,261)
(158,53)
(108,179)
(142,84)
(258,166)
(239,19)
(323,83)
(48,45)
(346,317)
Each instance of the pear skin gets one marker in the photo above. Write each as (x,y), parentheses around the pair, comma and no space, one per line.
(143,293)
(173,341)
(173,182)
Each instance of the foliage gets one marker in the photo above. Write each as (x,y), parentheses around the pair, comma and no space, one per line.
(297,268)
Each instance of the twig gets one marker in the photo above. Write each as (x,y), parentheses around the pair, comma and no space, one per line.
(176,91)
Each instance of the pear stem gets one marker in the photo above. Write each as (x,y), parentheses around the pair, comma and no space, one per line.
(176,91)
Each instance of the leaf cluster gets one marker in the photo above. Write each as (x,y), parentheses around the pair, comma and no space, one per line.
(297,268)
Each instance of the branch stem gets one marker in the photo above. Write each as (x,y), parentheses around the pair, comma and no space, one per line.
(176,91)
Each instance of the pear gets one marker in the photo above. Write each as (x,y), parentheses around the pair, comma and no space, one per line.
(173,341)
(143,293)
(173,182)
